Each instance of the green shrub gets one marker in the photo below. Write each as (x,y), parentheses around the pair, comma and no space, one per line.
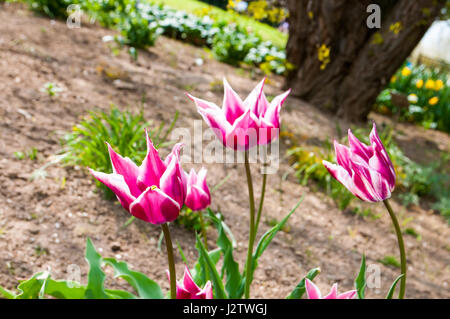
(232,45)
(423,96)
(52,8)
(124,131)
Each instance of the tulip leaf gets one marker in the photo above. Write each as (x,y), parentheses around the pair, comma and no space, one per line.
(30,288)
(96,277)
(267,238)
(120,294)
(298,291)
(219,290)
(234,280)
(200,268)
(392,289)
(7,294)
(360,281)
(62,289)
(144,286)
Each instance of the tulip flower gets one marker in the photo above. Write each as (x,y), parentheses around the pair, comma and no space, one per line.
(313,292)
(243,124)
(364,170)
(188,289)
(198,196)
(154,191)
(367,172)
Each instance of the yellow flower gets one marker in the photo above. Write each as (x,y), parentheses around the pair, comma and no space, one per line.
(438,85)
(433,101)
(406,71)
(429,85)
(323,54)
(396,27)
(419,84)
(393,79)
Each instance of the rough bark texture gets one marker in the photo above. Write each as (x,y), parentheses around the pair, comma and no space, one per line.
(362,60)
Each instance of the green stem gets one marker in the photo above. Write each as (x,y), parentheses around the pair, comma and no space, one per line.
(401,246)
(173,276)
(251,237)
(203,229)
(261,203)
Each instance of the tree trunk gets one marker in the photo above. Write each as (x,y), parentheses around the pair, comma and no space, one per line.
(361,60)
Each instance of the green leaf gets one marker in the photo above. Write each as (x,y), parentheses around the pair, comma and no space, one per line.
(219,291)
(30,288)
(392,289)
(96,276)
(234,280)
(62,289)
(360,281)
(298,291)
(144,286)
(183,256)
(7,294)
(200,270)
(267,238)
(120,294)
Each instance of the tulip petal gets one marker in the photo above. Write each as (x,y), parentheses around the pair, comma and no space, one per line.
(206,292)
(126,168)
(357,147)
(188,282)
(273,111)
(351,294)
(203,104)
(312,291)
(252,101)
(152,167)
(232,103)
(118,185)
(216,121)
(263,105)
(343,156)
(241,136)
(340,174)
(171,182)
(154,206)
(333,293)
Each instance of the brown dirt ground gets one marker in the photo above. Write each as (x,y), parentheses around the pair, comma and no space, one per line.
(43,224)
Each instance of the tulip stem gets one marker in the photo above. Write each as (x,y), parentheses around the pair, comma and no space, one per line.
(261,203)
(203,228)
(251,237)
(401,246)
(173,276)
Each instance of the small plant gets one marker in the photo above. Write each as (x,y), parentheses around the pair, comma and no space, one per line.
(390,261)
(51,89)
(52,8)
(85,145)
(31,154)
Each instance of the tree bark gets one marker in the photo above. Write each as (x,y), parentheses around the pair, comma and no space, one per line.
(361,60)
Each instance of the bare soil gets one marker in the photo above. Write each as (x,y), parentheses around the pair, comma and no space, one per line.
(44,222)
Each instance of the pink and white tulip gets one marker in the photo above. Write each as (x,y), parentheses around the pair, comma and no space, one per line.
(154,191)
(188,289)
(243,124)
(365,170)
(198,196)
(313,292)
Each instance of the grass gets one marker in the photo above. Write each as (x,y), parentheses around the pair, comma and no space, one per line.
(264,31)
(390,261)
